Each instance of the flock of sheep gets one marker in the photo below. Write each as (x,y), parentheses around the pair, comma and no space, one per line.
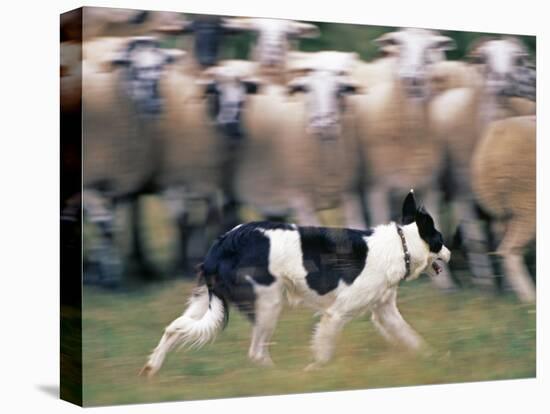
(290,134)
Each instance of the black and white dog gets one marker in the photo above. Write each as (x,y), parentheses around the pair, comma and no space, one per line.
(339,272)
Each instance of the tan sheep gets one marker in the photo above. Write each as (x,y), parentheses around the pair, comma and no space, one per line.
(504,183)
(459,117)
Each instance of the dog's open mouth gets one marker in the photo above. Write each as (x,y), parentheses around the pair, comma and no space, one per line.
(436,267)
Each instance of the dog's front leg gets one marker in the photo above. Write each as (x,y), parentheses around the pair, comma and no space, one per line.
(324,338)
(395,329)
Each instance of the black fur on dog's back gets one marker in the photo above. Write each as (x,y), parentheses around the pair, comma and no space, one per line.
(236,256)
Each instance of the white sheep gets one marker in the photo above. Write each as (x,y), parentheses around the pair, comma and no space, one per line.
(120,113)
(273,43)
(398,147)
(504,182)
(200,139)
(299,156)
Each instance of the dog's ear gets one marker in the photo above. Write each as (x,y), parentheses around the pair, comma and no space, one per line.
(409,209)
(425,223)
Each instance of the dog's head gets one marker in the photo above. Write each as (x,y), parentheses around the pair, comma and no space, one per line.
(427,233)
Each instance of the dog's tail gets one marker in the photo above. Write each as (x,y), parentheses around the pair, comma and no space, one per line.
(205,316)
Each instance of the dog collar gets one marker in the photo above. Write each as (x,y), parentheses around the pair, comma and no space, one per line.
(407,255)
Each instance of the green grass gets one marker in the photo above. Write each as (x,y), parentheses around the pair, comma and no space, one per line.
(476,337)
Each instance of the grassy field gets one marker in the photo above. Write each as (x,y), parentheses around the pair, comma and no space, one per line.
(476,337)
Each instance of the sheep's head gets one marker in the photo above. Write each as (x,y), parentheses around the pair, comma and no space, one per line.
(143,62)
(208,31)
(272,37)
(416,51)
(326,84)
(500,61)
(226,88)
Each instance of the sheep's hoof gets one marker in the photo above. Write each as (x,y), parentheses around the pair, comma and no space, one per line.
(314,366)
(265,361)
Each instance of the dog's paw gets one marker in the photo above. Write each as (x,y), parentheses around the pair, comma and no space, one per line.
(147,371)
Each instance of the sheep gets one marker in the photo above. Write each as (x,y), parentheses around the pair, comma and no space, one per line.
(304,162)
(114,22)
(326,149)
(459,117)
(208,33)
(397,145)
(120,109)
(451,74)
(200,136)
(504,183)
(271,51)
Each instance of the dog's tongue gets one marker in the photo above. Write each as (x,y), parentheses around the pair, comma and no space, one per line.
(436,268)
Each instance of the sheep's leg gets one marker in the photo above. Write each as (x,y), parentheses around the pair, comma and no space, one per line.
(103,252)
(518,277)
(475,242)
(518,234)
(138,256)
(353,211)
(324,338)
(432,200)
(174,198)
(379,206)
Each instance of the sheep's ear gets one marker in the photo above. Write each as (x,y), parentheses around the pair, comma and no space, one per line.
(409,209)
(173,55)
(252,85)
(116,61)
(387,43)
(297,85)
(305,30)
(207,84)
(351,88)
(474,53)
(238,24)
(519,43)
(444,43)
(175,28)
(210,87)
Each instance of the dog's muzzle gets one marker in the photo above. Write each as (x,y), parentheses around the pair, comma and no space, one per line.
(444,256)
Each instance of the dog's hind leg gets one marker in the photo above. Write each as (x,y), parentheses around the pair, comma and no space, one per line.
(269,302)
(199,324)
(324,338)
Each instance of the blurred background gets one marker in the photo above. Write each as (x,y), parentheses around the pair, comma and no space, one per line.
(192,124)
